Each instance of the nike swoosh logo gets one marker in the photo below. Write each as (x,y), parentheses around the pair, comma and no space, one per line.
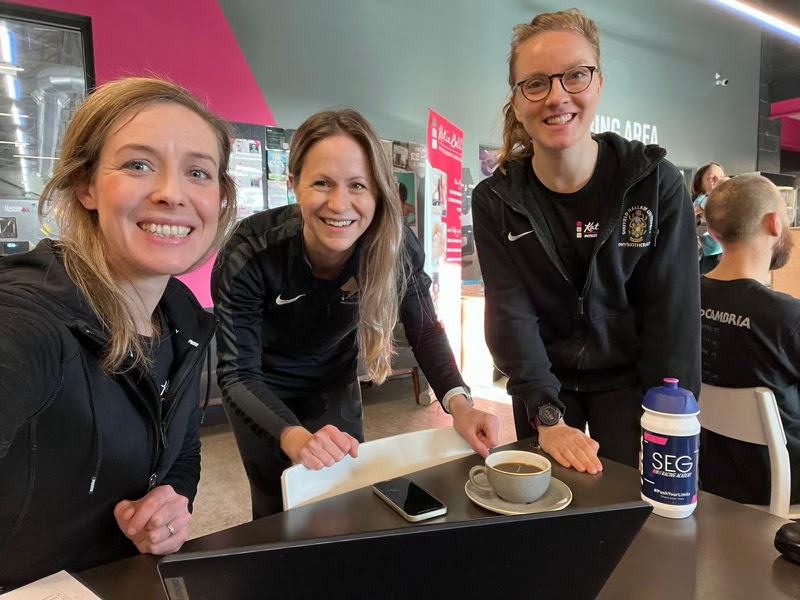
(514,238)
(280,301)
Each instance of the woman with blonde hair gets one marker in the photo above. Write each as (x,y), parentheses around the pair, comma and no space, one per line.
(586,244)
(101,348)
(302,290)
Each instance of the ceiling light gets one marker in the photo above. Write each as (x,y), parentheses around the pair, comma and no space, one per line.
(5,43)
(762,16)
(11,87)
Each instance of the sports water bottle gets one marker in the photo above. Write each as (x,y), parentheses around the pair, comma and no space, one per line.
(670,450)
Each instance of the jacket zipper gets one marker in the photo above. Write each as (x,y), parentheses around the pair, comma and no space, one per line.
(175,395)
(162,425)
(178,389)
(550,251)
(582,349)
(157,440)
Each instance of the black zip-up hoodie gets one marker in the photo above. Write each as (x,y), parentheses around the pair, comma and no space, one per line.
(284,333)
(635,321)
(73,440)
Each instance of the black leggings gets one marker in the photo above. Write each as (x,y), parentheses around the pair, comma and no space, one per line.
(614,419)
(263,460)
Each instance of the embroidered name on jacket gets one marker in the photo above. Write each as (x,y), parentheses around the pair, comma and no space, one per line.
(725,317)
(637,227)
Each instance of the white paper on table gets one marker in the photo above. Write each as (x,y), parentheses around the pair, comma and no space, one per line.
(59,586)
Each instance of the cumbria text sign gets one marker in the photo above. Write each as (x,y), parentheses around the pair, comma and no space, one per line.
(647,133)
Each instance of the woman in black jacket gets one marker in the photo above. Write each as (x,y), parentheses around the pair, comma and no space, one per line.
(587,249)
(100,347)
(303,289)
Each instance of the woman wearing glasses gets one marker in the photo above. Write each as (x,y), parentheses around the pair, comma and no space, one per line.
(587,249)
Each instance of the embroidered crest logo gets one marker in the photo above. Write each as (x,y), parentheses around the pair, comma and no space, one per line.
(637,225)
(350,291)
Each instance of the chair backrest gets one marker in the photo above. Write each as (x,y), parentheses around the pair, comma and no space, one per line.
(751,415)
(377,460)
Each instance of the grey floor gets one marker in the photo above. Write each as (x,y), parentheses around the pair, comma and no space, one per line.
(223,498)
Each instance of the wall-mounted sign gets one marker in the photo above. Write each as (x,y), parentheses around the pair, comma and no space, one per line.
(647,133)
(442,235)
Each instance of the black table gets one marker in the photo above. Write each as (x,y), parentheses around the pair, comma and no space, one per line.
(724,550)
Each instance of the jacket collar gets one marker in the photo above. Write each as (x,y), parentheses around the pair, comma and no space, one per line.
(39,278)
(300,277)
(634,159)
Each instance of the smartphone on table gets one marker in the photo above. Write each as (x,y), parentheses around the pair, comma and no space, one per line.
(408,499)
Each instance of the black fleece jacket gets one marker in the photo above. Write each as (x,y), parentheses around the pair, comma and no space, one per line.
(286,334)
(73,440)
(635,321)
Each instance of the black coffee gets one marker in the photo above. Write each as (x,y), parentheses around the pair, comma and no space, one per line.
(517,467)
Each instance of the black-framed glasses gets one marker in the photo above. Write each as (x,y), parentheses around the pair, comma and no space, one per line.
(574,81)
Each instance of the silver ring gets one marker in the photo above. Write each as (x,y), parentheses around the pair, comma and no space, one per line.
(171,529)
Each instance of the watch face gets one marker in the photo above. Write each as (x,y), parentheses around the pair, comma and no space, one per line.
(549,415)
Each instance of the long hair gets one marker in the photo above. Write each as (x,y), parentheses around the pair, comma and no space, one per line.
(517,144)
(81,241)
(382,261)
(697,180)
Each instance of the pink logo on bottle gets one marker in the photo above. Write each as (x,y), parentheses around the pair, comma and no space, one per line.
(655,439)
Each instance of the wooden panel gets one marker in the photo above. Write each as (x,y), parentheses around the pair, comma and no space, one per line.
(476,361)
(787,279)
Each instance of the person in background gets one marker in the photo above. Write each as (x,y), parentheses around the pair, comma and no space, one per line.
(706,179)
(303,290)
(587,249)
(101,347)
(751,334)
(409,211)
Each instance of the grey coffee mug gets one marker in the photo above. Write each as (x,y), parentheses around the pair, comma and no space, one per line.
(521,488)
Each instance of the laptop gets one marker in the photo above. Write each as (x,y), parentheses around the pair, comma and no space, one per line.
(559,555)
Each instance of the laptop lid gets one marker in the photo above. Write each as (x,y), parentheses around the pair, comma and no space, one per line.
(547,555)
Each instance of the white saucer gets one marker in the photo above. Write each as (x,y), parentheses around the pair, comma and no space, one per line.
(557,497)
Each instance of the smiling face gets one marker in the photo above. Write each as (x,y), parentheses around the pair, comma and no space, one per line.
(156,192)
(561,120)
(337,196)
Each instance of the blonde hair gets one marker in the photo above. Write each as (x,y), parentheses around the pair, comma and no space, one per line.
(381,267)
(735,208)
(517,144)
(81,241)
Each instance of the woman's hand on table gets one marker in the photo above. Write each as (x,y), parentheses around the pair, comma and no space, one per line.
(317,450)
(570,447)
(480,429)
(158,523)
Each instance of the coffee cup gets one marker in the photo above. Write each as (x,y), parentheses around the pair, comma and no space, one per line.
(514,475)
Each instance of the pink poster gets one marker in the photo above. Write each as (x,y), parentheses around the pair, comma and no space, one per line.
(443,222)
(445,141)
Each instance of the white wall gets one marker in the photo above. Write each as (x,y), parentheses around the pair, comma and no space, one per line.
(392,60)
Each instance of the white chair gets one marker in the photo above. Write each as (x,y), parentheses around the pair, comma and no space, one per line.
(751,415)
(377,460)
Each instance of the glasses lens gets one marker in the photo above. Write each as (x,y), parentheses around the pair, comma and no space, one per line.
(576,80)
(536,87)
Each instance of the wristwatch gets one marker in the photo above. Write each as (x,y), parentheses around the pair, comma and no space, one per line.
(548,415)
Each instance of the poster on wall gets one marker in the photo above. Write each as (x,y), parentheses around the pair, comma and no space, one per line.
(246,170)
(442,235)
(487,155)
(278,191)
